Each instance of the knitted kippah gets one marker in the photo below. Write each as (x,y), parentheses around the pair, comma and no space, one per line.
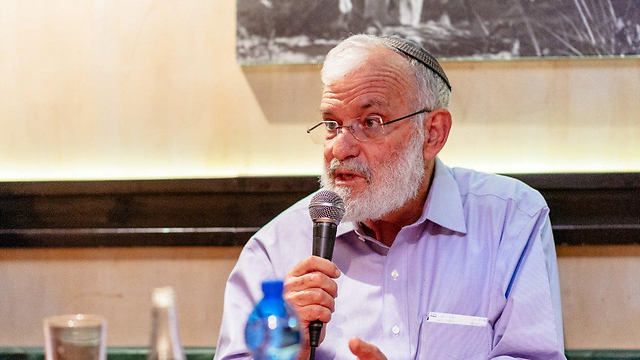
(417,52)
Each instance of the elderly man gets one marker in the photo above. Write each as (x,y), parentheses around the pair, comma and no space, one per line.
(430,262)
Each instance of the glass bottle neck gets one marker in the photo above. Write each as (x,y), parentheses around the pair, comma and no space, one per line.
(165,342)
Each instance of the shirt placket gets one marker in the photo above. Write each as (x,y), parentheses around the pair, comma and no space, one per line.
(396,322)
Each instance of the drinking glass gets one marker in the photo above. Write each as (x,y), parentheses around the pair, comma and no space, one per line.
(75,337)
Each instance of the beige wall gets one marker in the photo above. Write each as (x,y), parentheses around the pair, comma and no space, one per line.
(600,292)
(115,283)
(600,296)
(150,89)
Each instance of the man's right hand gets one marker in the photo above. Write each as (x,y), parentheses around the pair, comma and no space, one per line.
(311,291)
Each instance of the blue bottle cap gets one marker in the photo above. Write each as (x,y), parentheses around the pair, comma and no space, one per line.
(272,287)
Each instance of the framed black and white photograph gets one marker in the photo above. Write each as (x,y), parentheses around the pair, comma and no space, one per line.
(302,31)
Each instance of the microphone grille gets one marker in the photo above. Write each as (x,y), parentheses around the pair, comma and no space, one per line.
(326,205)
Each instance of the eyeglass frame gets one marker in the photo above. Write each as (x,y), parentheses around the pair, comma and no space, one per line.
(350,127)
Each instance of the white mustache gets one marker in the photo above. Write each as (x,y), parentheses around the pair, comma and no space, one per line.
(349,165)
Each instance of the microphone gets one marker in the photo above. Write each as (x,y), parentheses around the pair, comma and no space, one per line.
(326,210)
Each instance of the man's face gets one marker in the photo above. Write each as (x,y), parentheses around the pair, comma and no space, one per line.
(376,177)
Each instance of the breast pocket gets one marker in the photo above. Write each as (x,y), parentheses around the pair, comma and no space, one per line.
(452,341)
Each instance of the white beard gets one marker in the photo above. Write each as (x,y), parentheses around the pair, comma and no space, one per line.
(395,182)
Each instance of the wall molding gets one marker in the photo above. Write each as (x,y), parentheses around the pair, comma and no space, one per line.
(586,209)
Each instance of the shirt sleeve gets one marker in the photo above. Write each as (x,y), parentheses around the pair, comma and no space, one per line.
(242,293)
(529,324)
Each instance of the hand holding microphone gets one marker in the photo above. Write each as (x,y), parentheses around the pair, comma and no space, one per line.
(309,285)
(310,289)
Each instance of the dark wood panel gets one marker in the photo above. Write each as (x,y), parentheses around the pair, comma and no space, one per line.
(148,203)
(581,181)
(591,209)
(585,209)
(73,238)
(144,210)
(225,185)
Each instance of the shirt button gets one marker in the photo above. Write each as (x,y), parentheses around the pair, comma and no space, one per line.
(395,274)
(395,330)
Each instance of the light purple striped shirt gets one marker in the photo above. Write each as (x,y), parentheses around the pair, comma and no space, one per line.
(483,247)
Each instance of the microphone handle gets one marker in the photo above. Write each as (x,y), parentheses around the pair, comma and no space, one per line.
(324,237)
(315,328)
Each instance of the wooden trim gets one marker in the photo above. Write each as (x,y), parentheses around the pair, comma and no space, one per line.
(586,209)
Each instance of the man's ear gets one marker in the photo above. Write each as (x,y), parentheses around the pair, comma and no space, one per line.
(436,132)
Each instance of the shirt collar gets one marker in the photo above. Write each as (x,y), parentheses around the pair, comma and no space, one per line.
(345,227)
(443,205)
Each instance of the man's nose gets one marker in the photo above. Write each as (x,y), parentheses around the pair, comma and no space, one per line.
(344,145)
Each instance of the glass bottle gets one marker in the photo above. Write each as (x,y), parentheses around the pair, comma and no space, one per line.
(165,342)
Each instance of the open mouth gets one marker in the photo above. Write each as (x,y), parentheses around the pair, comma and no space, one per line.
(348,173)
(348,176)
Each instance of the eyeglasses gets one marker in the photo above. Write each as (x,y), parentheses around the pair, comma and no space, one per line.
(365,129)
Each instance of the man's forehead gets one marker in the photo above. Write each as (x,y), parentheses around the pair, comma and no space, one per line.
(380,82)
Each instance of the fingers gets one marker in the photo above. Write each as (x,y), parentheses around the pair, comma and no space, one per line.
(315,263)
(313,272)
(365,351)
(310,313)
(312,280)
(311,297)
(310,289)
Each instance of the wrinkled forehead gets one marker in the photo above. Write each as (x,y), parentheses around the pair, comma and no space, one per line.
(382,79)
(353,59)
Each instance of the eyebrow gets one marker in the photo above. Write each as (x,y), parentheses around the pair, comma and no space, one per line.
(371,103)
(366,105)
(325,111)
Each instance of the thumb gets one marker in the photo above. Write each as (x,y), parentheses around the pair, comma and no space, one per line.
(363,350)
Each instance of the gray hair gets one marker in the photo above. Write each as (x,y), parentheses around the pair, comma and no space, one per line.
(351,53)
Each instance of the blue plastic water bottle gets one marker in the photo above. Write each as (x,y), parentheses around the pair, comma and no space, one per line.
(272,331)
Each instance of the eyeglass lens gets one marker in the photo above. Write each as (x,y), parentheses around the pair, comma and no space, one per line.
(365,129)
